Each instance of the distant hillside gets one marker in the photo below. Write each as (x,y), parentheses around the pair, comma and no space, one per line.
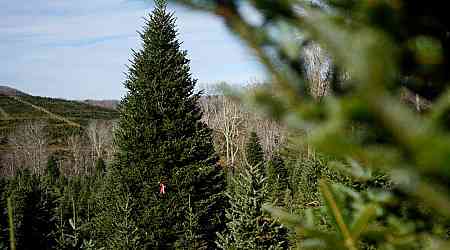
(36,107)
(111,104)
(61,115)
(5,90)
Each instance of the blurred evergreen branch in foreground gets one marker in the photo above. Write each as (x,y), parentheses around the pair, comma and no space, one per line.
(380,49)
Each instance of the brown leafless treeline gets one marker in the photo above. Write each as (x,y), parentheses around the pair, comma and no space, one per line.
(28,145)
(232,123)
(28,148)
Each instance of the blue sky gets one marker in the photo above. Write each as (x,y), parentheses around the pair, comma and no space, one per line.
(79,49)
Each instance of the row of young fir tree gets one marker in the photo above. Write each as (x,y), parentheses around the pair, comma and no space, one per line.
(162,144)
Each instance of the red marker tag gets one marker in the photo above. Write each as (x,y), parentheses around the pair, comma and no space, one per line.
(162,188)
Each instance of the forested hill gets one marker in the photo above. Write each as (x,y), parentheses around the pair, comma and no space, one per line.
(59,115)
(16,105)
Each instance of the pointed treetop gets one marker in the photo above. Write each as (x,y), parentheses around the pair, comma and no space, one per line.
(254,151)
(160,4)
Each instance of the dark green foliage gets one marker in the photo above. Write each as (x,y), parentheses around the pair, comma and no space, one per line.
(32,209)
(100,167)
(277,178)
(49,214)
(254,152)
(52,168)
(305,170)
(54,214)
(115,225)
(249,227)
(162,140)
(74,209)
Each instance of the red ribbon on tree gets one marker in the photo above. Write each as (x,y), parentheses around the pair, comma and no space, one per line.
(162,188)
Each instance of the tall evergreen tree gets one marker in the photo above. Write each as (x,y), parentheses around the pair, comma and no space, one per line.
(249,227)
(163,144)
(254,152)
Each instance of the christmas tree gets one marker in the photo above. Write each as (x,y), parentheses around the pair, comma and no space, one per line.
(166,163)
(100,167)
(249,227)
(277,178)
(52,168)
(254,152)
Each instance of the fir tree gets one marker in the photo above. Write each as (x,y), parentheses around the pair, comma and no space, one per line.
(277,178)
(52,168)
(162,141)
(253,151)
(32,208)
(74,202)
(249,227)
(100,167)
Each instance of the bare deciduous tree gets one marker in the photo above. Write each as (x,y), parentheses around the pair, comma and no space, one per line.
(100,134)
(232,122)
(29,143)
(74,144)
(226,118)
(270,133)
